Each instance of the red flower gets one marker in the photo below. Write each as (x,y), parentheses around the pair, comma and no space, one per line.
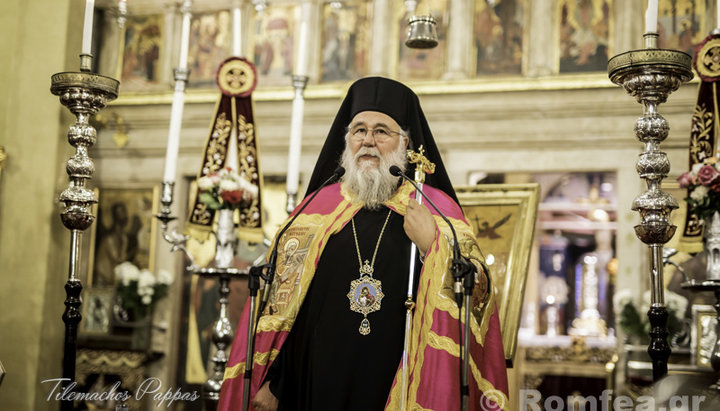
(707,175)
(685,179)
(232,197)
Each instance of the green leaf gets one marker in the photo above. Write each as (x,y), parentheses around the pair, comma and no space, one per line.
(209,200)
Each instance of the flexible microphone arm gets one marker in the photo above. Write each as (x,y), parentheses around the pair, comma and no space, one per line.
(270,266)
(461,266)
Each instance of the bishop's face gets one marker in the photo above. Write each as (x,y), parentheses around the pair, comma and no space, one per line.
(372,134)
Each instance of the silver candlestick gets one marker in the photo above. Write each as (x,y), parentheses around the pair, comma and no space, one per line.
(650,75)
(84,93)
(222,335)
(175,239)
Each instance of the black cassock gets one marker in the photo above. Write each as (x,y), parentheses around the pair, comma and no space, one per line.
(325,363)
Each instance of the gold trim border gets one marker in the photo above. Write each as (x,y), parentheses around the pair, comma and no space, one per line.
(526,198)
(650,57)
(338,90)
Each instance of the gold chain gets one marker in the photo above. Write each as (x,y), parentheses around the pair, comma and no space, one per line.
(357,246)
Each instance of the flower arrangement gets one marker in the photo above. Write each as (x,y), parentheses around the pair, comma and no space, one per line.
(139,290)
(226,189)
(634,322)
(703,183)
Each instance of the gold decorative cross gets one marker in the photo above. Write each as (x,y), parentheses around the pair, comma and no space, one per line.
(422,164)
(236,78)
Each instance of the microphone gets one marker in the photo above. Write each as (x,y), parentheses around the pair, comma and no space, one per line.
(270,266)
(461,266)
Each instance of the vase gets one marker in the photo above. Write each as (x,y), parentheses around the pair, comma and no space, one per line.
(141,334)
(225,235)
(712,246)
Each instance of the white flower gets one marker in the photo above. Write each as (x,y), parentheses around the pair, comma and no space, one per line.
(622,298)
(699,193)
(126,272)
(696,167)
(645,306)
(146,291)
(676,303)
(228,185)
(205,183)
(146,299)
(147,279)
(165,277)
(249,187)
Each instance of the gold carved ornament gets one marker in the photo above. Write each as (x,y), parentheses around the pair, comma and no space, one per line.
(704,126)
(236,79)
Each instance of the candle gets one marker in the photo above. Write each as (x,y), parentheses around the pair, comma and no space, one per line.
(304,40)
(231,159)
(185,36)
(173,146)
(296,124)
(88,26)
(237,50)
(651,17)
(178,103)
(717,17)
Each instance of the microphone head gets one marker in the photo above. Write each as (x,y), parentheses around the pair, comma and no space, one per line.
(340,171)
(395,170)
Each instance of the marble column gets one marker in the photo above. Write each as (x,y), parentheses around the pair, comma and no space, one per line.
(460,41)
(380,45)
(629,27)
(245,10)
(109,62)
(538,56)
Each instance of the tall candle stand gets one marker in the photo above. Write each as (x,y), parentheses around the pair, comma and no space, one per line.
(84,93)
(650,75)
(222,335)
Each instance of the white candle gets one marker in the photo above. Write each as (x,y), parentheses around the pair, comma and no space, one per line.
(88,26)
(717,17)
(651,17)
(237,50)
(302,68)
(185,35)
(296,125)
(173,145)
(178,104)
(231,159)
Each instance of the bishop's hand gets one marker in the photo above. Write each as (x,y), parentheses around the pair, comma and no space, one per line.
(264,399)
(419,226)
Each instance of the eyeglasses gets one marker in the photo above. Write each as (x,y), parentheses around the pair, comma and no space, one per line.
(380,134)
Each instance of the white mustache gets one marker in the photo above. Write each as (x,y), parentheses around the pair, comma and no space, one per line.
(367,151)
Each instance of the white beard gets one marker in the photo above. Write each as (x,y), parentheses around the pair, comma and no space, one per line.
(367,184)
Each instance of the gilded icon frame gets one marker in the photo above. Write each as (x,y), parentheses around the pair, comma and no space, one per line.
(141,204)
(97,311)
(510,211)
(703,334)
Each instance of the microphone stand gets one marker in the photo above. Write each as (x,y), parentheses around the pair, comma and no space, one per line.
(267,273)
(463,271)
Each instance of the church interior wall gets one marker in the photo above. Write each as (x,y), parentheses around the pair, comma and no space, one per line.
(538,122)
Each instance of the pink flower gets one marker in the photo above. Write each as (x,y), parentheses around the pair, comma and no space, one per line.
(707,175)
(232,197)
(685,179)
